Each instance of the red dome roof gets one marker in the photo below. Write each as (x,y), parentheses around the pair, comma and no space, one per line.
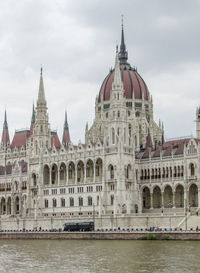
(134,85)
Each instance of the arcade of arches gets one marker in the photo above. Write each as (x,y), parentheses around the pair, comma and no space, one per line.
(155,198)
(12,206)
(71,173)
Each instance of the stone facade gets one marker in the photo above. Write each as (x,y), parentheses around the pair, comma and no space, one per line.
(125,168)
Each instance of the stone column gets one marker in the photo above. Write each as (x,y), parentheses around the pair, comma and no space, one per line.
(85,167)
(94,173)
(67,174)
(174,199)
(20,206)
(198,198)
(151,200)
(6,207)
(75,174)
(58,175)
(186,200)
(162,199)
(12,206)
(50,182)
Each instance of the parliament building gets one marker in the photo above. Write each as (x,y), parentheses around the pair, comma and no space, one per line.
(124,168)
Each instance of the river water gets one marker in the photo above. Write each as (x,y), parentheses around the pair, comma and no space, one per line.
(92,256)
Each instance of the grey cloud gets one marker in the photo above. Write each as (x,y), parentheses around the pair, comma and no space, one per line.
(75,42)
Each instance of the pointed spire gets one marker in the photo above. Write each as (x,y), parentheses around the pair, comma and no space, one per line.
(5,134)
(32,121)
(86,127)
(123,54)
(66,123)
(148,140)
(33,115)
(5,124)
(41,95)
(117,82)
(66,135)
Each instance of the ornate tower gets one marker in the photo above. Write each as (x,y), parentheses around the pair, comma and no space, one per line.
(41,131)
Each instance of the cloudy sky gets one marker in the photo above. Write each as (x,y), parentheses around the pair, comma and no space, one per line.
(75,43)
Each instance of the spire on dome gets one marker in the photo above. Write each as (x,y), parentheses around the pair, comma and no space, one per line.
(5,134)
(123,54)
(66,135)
(41,95)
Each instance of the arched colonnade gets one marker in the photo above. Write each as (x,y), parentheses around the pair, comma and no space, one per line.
(72,173)
(169,198)
(12,205)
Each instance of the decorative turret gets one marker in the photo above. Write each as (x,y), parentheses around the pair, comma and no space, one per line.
(5,140)
(66,135)
(117,91)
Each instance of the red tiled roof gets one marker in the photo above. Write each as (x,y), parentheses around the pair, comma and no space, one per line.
(146,153)
(156,153)
(168,151)
(177,146)
(20,138)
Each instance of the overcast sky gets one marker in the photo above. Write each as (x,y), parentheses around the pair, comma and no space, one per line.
(75,43)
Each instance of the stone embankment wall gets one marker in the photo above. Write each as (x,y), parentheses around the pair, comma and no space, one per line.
(105,222)
(101,235)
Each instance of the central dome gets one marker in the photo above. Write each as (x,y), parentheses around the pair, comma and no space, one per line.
(134,85)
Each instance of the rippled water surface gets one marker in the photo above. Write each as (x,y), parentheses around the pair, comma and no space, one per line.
(85,256)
